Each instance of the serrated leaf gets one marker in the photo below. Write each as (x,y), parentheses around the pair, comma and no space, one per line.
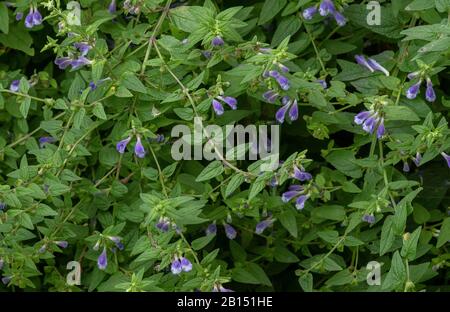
(211,171)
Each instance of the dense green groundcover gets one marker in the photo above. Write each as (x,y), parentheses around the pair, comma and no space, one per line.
(90,92)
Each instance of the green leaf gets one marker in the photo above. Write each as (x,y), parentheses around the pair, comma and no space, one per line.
(306,282)
(396,276)
(201,242)
(329,212)
(284,255)
(390,26)
(420,5)
(18,38)
(270,9)
(234,183)
(25,107)
(343,161)
(99,111)
(400,113)
(444,234)
(410,245)
(4,18)
(288,27)
(251,273)
(387,236)
(257,186)
(130,81)
(211,171)
(317,99)
(288,220)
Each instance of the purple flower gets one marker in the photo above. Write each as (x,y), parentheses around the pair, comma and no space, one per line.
(176,267)
(163,224)
(160,138)
(340,19)
(62,244)
(83,47)
(293,112)
(220,288)
(308,13)
(406,167)
(274,74)
(19,16)
(117,241)
(217,106)
(283,68)
(369,124)
(376,66)
(229,100)
(112,7)
(359,118)
(29,21)
(369,218)
(139,149)
(92,85)
(102,261)
(301,175)
(207,54)
(44,140)
(326,7)
(447,158)
(292,192)
(211,229)
(283,82)
(361,60)
(2,206)
(37,17)
(79,62)
(270,96)
(290,105)
(42,249)
(323,83)
(380,129)
(14,85)
(414,90)
(230,232)
(186,265)
(300,202)
(281,113)
(430,95)
(413,75)
(370,121)
(63,62)
(261,226)
(265,50)
(122,145)
(217,41)
(6,280)
(417,159)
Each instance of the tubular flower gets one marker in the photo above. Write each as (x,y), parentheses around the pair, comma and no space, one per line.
(217,41)
(102,261)
(230,232)
(371,64)
(261,226)
(218,107)
(139,149)
(371,120)
(122,145)
(325,8)
(288,105)
(298,192)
